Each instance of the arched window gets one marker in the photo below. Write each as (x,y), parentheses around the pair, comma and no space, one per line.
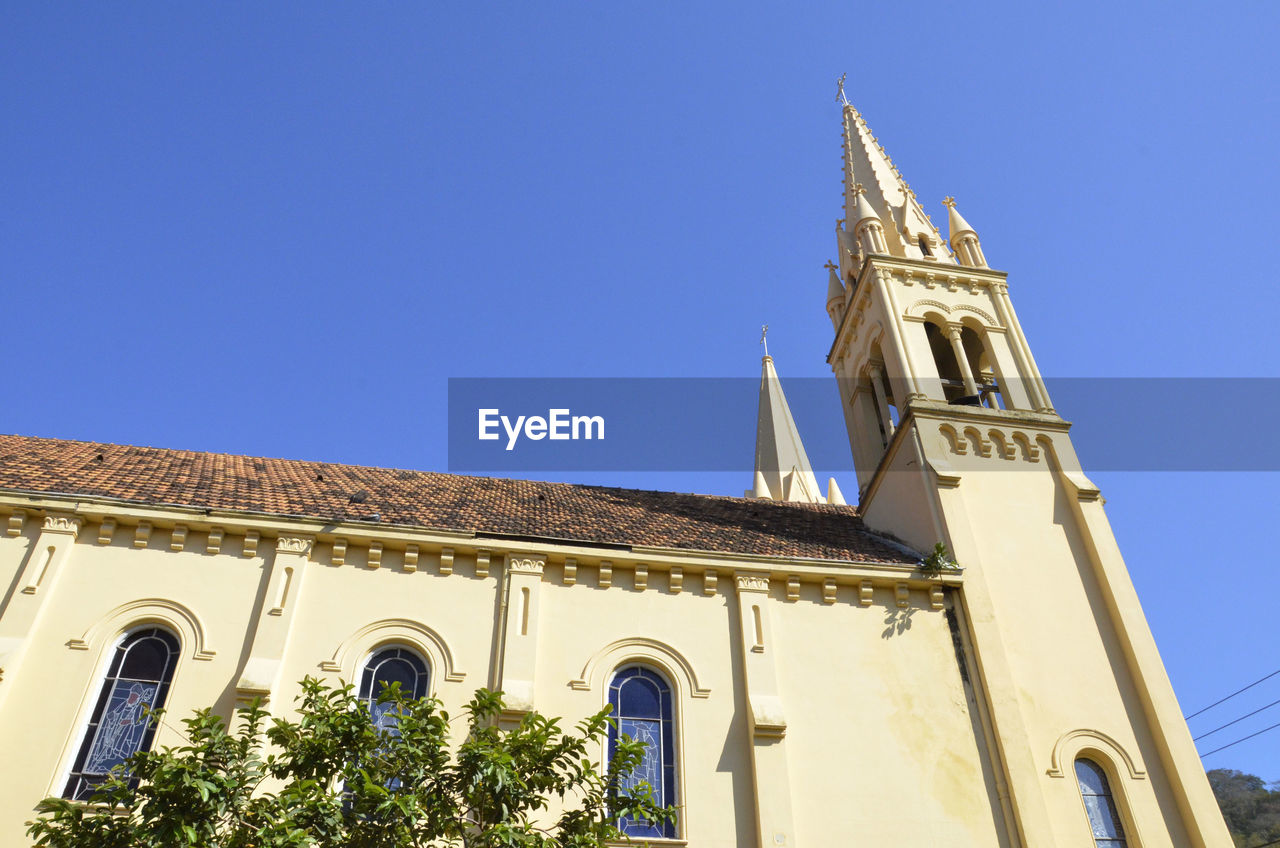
(1099,805)
(642,708)
(137,680)
(387,666)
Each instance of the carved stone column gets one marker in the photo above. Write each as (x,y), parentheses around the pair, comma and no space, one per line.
(962,359)
(767,722)
(279,605)
(519,659)
(882,402)
(45,559)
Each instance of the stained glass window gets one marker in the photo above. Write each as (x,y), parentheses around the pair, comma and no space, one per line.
(641,701)
(137,680)
(387,666)
(1099,805)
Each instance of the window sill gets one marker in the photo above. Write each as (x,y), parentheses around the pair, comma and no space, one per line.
(662,842)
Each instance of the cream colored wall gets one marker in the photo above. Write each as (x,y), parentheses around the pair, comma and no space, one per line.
(578,626)
(50,690)
(881,725)
(758,754)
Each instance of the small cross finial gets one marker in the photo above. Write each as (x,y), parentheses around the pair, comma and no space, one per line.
(949,202)
(764,332)
(840,98)
(831,265)
(858,189)
(906,191)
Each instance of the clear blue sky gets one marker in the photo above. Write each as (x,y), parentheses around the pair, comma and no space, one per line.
(278,229)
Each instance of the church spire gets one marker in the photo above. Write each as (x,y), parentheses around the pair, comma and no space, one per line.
(964,241)
(872,181)
(782,471)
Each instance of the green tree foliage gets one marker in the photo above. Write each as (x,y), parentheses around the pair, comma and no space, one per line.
(331,776)
(1252,810)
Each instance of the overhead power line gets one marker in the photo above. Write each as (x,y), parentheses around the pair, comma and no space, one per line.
(1236,721)
(1242,739)
(1233,694)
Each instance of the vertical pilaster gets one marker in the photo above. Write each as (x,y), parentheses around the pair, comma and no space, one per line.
(884,289)
(1022,351)
(1012,739)
(275,621)
(768,725)
(46,558)
(520,632)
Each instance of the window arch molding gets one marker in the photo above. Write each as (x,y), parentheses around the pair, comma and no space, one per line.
(1120,768)
(935,310)
(128,617)
(1092,744)
(351,655)
(641,651)
(91,688)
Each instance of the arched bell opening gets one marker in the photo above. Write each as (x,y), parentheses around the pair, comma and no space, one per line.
(944,359)
(983,369)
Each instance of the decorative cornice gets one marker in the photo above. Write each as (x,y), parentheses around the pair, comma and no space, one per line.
(525,563)
(62,524)
(295,545)
(753,583)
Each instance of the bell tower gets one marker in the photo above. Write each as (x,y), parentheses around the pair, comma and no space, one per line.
(956,441)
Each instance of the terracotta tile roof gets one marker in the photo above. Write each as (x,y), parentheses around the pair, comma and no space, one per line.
(484,505)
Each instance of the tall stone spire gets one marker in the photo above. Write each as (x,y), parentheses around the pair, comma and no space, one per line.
(866,164)
(783,472)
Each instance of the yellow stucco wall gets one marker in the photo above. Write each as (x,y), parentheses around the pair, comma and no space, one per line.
(879,734)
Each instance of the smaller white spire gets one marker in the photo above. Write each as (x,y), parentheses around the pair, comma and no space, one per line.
(835,295)
(964,239)
(835,289)
(782,466)
(862,208)
(955,221)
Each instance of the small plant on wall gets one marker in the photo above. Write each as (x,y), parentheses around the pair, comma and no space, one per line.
(939,561)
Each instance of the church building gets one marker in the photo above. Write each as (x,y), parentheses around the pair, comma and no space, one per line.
(958,660)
